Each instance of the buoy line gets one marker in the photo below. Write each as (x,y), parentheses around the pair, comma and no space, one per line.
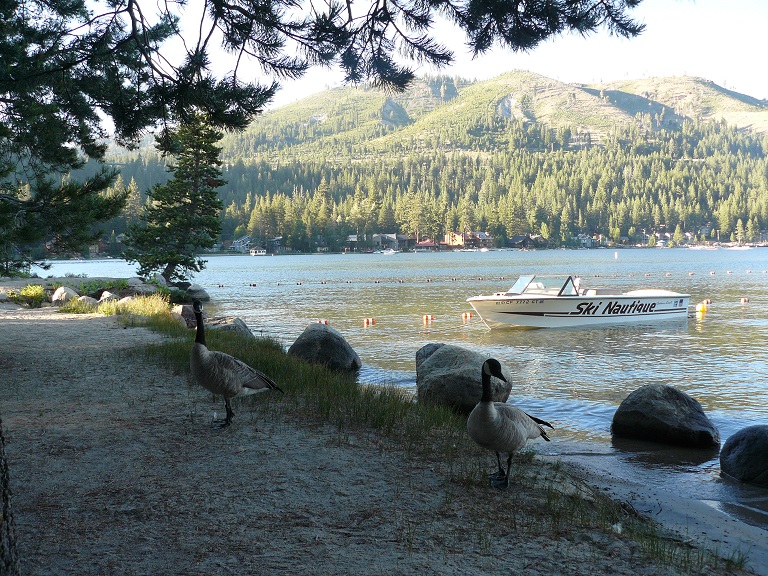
(453,279)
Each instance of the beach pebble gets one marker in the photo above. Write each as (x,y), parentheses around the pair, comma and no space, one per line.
(664,414)
(745,455)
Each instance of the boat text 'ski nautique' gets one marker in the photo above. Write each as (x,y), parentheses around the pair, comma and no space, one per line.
(562,302)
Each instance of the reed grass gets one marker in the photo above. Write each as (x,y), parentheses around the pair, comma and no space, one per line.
(391,416)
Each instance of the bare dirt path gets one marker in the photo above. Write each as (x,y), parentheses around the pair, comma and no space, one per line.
(115,470)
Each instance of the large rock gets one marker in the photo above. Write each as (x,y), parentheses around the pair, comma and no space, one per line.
(197,292)
(228,324)
(88,300)
(186,315)
(63,294)
(450,375)
(321,344)
(663,414)
(107,296)
(425,352)
(141,289)
(745,455)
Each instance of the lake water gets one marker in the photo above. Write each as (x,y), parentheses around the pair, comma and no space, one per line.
(572,378)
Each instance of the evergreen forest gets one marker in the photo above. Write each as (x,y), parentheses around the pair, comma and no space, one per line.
(519,154)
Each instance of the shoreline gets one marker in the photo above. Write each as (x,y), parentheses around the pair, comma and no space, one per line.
(95,417)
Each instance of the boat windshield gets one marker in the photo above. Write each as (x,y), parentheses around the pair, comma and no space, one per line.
(553,285)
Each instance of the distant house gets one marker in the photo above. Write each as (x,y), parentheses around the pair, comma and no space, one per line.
(483,239)
(428,245)
(242,245)
(351,243)
(275,245)
(585,241)
(468,240)
(385,241)
(455,239)
(521,241)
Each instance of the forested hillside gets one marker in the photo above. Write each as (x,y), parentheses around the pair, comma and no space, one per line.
(518,154)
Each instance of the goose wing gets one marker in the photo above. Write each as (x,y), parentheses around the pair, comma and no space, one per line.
(532,425)
(248,376)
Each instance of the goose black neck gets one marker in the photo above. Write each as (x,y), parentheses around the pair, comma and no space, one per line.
(200,334)
(486,379)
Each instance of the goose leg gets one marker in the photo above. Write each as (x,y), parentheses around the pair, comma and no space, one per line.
(500,473)
(220,424)
(502,481)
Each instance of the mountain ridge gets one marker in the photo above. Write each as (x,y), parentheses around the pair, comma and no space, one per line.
(445,112)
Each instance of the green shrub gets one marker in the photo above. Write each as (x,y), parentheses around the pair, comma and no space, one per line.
(32,295)
(93,286)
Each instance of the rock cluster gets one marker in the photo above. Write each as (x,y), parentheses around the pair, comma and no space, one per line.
(94,291)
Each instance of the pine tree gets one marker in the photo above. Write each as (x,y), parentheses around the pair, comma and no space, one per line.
(183,215)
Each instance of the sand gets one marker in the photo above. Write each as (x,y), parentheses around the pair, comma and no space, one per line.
(114,469)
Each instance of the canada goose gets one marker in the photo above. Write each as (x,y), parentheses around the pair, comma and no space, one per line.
(501,427)
(221,373)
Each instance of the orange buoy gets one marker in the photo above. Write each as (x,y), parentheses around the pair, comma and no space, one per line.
(369,321)
(744,300)
(466,315)
(323,321)
(427,318)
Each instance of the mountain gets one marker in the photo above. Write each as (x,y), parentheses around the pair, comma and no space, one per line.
(451,113)
(690,97)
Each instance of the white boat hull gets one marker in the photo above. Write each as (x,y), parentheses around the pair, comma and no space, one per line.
(544,311)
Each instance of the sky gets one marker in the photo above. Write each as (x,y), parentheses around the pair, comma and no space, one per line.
(724,41)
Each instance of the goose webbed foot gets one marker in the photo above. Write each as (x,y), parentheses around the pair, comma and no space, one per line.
(500,482)
(498,475)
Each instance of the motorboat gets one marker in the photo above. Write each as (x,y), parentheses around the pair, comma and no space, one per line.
(544,301)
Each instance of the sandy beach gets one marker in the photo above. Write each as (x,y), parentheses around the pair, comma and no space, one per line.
(114,469)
